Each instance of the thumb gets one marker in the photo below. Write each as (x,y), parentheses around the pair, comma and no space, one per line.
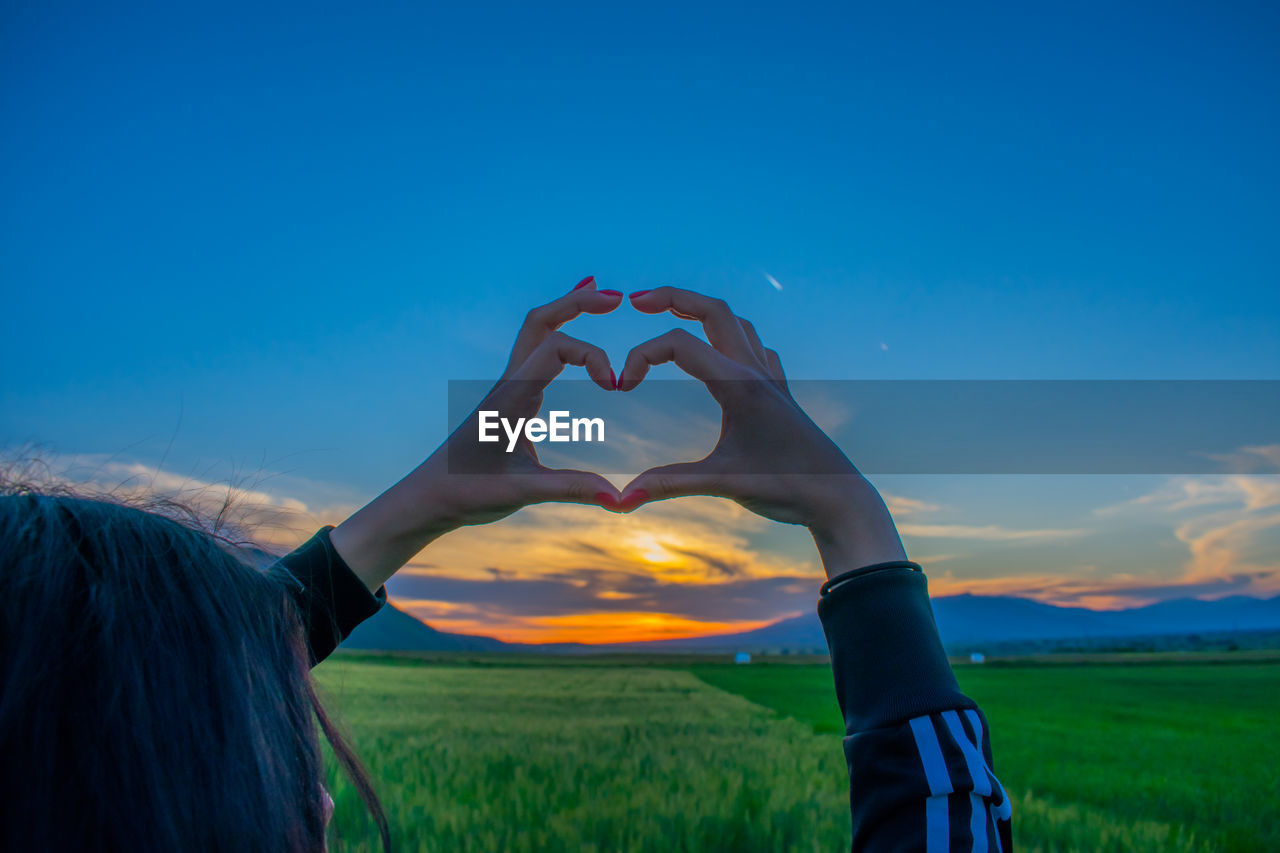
(681,479)
(567,485)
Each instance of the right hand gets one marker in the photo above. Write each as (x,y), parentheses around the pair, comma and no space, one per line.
(771,457)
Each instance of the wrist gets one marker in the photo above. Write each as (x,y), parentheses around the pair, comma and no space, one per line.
(858,532)
(390,530)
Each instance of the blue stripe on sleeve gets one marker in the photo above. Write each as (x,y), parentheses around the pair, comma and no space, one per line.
(936,807)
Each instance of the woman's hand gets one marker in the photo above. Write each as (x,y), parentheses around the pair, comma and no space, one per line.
(771,457)
(465,482)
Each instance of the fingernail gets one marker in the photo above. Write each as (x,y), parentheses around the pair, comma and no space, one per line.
(606,500)
(639,293)
(613,379)
(584,282)
(610,292)
(631,500)
(618,383)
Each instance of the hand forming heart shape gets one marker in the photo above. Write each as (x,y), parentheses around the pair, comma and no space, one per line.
(760,420)
(771,458)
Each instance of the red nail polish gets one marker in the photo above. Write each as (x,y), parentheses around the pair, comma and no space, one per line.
(584,282)
(606,500)
(618,383)
(631,500)
(610,292)
(639,293)
(613,379)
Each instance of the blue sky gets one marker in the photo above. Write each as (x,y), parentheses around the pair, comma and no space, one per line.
(245,238)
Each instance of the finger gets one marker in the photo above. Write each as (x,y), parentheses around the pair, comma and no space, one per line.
(689,353)
(545,319)
(774,365)
(749,330)
(567,485)
(681,479)
(722,328)
(548,360)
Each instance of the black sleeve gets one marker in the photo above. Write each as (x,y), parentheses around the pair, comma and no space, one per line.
(330,598)
(919,752)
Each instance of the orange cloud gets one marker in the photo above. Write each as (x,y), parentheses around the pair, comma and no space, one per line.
(694,540)
(988,532)
(1227,536)
(243,508)
(564,573)
(588,628)
(1084,587)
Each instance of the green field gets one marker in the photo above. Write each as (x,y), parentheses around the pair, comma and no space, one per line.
(674,756)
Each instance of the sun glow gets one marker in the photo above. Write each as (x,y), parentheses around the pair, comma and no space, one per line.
(590,628)
(628,627)
(648,547)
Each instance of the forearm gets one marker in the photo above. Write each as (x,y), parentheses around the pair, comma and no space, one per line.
(387,532)
(858,530)
(340,571)
(875,609)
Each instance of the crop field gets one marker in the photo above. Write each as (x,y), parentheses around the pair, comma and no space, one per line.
(661,755)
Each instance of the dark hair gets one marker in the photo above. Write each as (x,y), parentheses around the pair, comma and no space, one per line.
(154,689)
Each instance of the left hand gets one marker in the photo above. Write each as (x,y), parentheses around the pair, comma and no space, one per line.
(432,500)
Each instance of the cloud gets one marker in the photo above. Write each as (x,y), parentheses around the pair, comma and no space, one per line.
(1227,524)
(661,421)
(1257,459)
(558,606)
(900,505)
(1223,521)
(695,565)
(550,572)
(1220,542)
(989,532)
(929,560)
(714,512)
(242,508)
(1252,492)
(1084,587)
(726,568)
(690,539)
(592,590)
(774,282)
(688,563)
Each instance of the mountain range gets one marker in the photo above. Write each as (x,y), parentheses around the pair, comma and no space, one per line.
(963,621)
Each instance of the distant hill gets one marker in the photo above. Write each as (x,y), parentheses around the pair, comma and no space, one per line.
(393,630)
(976,618)
(1236,613)
(963,620)
(966,619)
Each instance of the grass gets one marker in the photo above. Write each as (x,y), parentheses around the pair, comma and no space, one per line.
(677,757)
(580,759)
(1185,747)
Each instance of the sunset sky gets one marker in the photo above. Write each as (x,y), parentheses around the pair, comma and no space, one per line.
(251,246)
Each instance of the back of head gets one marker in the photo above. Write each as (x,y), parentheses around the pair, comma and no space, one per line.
(154,692)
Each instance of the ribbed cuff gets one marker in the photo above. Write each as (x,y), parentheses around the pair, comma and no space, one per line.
(886,656)
(866,570)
